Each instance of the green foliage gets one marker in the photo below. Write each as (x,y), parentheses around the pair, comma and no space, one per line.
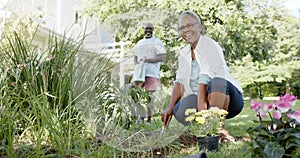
(274,143)
(8,115)
(91,88)
(59,113)
(205,122)
(37,99)
(48,73)
(58,99)
(275,136)
(256,36)
(139,95)
(266,89)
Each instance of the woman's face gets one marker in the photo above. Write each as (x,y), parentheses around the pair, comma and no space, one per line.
(189,29)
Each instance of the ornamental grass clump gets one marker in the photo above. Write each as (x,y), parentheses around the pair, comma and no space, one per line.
(205,122)
(278,130)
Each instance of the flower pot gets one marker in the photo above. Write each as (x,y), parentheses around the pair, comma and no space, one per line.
(209,143)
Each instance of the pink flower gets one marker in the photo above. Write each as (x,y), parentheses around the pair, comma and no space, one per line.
(295,115)
(288,98)
(262,114)
(283,106)
(268,107)
(256,105)
(277,114)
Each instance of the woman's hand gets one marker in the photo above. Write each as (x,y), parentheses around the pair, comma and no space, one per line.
(166,117)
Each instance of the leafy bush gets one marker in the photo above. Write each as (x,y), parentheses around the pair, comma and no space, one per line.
(279,134)
(38,97)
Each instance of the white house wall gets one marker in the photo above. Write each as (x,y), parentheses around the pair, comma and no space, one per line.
(63,18)
(59,16)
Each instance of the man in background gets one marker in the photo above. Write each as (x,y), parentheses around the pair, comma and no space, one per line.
(149,52)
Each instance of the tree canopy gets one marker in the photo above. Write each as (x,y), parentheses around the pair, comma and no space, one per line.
(260,39)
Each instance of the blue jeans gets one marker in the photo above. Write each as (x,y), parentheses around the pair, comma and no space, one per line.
(236,102)
(235,106)
(188,102)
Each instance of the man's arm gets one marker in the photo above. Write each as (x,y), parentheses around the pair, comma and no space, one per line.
(135,60)
(158,58)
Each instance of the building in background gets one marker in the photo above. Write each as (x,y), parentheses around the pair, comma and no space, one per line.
(63,17)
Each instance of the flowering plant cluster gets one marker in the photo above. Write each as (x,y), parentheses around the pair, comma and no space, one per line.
(278,132)
(205,122)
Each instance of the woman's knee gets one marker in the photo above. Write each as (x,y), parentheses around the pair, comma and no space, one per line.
(180,117)
(235,109)
(232,114)
(186,103)
(217,84)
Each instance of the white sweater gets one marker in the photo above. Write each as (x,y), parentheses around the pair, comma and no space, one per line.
(210,58)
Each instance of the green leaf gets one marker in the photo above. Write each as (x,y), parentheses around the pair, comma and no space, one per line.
(297,141)
(288,145)
(296,134)
(274,150)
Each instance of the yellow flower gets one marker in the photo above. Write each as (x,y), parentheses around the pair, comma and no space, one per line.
(223,113)
(190,118)
(198,113)
(202,112)
(205,122)
(215,109)
(200,120)
(218,111)
(189,111)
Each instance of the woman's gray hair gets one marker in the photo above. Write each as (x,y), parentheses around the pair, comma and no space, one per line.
(196,16)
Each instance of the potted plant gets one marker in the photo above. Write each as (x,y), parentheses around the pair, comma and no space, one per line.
(205,125)
(278,132)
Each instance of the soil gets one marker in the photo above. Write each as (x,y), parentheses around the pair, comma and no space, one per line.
(186,142)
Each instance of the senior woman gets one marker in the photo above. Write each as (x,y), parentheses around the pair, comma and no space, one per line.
(202,76)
